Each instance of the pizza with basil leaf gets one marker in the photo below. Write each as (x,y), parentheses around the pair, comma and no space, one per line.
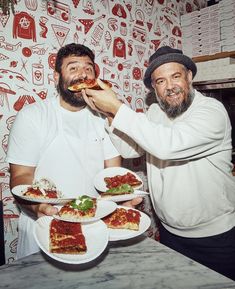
(82,207)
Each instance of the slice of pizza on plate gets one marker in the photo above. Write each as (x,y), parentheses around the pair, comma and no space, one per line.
(66,238)
(82,207)
(42,189)
(123,218)
(128,178)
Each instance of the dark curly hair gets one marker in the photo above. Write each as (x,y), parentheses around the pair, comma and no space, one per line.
(72,49)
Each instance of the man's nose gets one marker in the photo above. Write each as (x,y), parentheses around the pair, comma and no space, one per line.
(169,84)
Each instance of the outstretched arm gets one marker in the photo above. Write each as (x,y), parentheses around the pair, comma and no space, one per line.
(24,175)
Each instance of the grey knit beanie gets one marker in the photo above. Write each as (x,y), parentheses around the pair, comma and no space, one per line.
(164,55)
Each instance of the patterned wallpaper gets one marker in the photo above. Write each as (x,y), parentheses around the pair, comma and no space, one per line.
(123,34)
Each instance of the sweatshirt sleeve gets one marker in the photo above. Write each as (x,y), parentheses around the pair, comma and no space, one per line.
(201,131)
(126,146)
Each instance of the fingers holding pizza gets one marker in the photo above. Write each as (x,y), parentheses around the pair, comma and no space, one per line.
(104,100)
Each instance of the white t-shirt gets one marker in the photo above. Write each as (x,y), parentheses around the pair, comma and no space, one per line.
(73,140)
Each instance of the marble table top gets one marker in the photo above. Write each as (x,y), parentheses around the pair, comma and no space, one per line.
(137,263)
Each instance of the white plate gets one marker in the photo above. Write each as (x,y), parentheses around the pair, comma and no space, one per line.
(127,197)
(100,184)
(104,208)
(19,190)
(96,236)
(123,234)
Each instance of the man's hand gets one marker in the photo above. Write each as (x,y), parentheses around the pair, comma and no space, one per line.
(104,101)
(133,203)
(40,210)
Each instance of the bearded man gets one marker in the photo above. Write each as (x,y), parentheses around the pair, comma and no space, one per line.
(59,139)
(186,137)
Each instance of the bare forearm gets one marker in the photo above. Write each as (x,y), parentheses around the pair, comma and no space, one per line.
(26,179)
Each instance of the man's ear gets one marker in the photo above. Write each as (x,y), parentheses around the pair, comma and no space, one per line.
(56,76)
(190,76)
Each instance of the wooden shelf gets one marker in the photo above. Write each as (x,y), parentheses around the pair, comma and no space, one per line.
(215,84)
(214,56)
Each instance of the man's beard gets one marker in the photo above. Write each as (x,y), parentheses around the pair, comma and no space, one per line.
(72,98)
(174,111)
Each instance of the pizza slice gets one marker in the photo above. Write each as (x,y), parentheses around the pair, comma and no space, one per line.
(123,218)
(128,178)
(66,238)
(87,83)
(83,207)
(36,192)
(42,189)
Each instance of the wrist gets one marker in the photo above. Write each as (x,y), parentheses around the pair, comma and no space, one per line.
(116,107)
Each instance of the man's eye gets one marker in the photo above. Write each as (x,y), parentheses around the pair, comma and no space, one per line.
(89,70)
(72,68)
(159,82)
(177,76)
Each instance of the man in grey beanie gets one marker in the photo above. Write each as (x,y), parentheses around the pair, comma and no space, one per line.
(186,137)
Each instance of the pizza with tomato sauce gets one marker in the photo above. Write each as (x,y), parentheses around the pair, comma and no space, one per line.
(87,83)
(123,218)
(83,207)
(40,193)
(128,178)
(66,238)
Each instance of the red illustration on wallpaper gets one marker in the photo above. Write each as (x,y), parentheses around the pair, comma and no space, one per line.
(88,23)
(42,22)
(119,47)
(139,105)
(118,10)
(126,83)
(112,24)
(24,26)
(59,11)
(4,18)
(88,7)
(8,46)
(60,32)
(22,100)
(108,39)
(31,4)
(75,3)
(51,60)
(3,57)
(38,73)
(4,91)
(97,34)
(140,50)
(137,73)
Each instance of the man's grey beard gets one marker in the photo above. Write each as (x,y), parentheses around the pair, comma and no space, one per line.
(176,110)
(69,97)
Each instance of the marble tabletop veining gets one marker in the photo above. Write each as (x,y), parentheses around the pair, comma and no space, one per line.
(140,263)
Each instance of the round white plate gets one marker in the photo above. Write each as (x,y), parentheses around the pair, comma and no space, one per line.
(104,208)
(96,236)
(123,198)
(123,234)
(100,184)
(19,190)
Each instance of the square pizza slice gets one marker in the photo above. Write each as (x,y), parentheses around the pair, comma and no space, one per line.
(123,218)
(66,238)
